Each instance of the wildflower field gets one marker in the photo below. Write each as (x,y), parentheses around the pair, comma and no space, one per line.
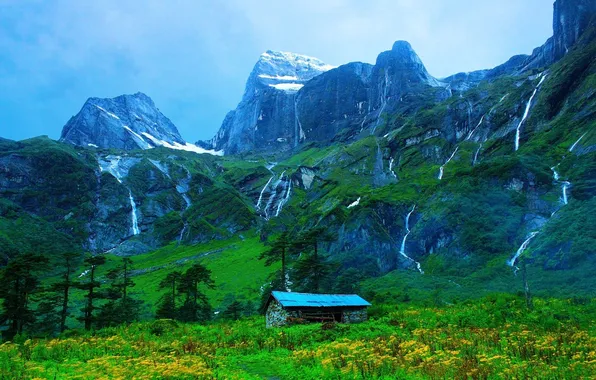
(496,337)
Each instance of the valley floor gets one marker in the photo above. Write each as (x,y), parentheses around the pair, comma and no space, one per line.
(496,337)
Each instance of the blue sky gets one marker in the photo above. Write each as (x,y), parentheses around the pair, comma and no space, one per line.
(193,56)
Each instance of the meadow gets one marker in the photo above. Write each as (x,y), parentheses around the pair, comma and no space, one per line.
(493,337)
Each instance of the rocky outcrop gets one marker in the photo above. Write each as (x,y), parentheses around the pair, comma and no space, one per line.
(125,122)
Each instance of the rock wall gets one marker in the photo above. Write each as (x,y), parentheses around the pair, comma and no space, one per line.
(354,316)
(276,315)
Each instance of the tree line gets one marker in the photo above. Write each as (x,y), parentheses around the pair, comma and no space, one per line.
(35,308)
(45,308)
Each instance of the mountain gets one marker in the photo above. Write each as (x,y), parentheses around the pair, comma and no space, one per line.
(428,186)
(265,117)
(282,108)
(124,122)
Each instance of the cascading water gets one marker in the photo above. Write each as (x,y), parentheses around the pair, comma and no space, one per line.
(258,206)
(475,128)
(391,162)
(577,142)
(298,131)
(527,112)
(522,248)
(285,199)
(383,100)
(183,187)
(441,169)
(476,155)
(182,233)
(273,195)
(564,185)
(135,223)
(402,250)
(113,167)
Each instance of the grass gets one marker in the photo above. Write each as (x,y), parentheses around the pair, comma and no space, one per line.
(234,264)
(495,337)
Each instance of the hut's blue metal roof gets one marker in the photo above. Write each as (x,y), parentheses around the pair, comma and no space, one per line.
(288,299)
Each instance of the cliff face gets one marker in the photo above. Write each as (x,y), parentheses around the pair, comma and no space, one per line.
(571,18)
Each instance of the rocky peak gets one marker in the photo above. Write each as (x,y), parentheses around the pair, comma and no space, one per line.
(403,65)
(570,19)
(284,71)
(123,122)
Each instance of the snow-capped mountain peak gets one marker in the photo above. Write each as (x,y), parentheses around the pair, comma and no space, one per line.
(124,122)
(287,71)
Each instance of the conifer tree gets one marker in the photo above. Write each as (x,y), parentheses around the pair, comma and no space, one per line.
(312,268)
(18,281)
(167,307)
(93,262)
(278,252)
(195,307)
(121,306)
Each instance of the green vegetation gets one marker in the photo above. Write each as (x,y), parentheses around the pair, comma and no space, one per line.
(495,337)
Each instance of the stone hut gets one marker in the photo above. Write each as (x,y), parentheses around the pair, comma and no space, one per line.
(285,307)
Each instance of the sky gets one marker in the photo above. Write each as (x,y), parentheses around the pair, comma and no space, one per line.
(193,57)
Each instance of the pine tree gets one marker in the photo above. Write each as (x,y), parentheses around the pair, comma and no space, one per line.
(312,268)
(276,253)
(233,311)
(195,307)
(88,317)
(18,281)
(121,306)
(68,263)
(167,305)
(52,304)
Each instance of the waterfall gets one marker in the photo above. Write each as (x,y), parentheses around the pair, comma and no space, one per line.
(298,131)
(527,112)
(577,142)
(182,233)
(441,169)
(475,128)
(183,188)
(383,100)
(285,199)
(402,250)
(565,187)
(133,215)
(476,155)
(258,206)
(273,195)
(522,248)
(564,184)
(113,167)
(362,125)
(391,161)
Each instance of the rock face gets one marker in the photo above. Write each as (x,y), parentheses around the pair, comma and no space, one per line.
(125,122)
(290,99)
(571,18)
(266,116)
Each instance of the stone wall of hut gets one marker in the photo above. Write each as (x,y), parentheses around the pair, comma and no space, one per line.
(354,316)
